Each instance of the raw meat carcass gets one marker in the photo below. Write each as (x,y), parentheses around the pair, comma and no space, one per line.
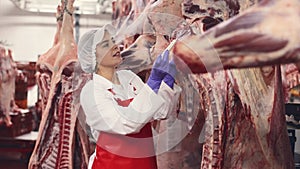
(241,40)
(142,45)
(140,56)
(125,11)
(291,75)
(151,24)
(245,125)
(223,9)
(46,61)
(8,72)
(61,142)
(290,80)
(121,9)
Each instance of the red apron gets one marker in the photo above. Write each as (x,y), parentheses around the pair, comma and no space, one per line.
(131,151)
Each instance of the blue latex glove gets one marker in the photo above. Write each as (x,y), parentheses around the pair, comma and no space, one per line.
(169,79)
(159,71)
(162,70)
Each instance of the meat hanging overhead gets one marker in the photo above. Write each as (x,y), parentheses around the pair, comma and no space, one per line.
(150,23)
(61,142)
(46,61)
(259,36)
(245,124)
(244,108)
(8,72)
(291,76)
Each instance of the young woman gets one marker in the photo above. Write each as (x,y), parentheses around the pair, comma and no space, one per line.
(119,106)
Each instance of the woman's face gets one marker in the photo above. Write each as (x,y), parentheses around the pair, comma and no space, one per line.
(107,52)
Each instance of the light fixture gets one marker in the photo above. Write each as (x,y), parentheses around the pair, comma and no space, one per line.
(85,7)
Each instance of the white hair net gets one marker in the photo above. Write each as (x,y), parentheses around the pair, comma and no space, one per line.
(87,47)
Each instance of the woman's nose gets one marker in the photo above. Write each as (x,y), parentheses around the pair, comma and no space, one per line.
(116,47)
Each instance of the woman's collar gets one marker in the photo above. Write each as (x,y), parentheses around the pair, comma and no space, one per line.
(101,81)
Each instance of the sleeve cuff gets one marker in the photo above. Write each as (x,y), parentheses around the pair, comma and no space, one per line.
(171,97)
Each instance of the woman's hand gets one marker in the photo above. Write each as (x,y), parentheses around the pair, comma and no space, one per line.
(169,79)
(162,70)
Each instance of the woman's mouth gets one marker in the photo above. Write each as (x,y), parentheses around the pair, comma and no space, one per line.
(117,54)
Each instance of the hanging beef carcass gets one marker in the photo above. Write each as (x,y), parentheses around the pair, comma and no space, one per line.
(239,41)
(46,61)
(139,56)
(131,9)
(150,24)
(126,11)
(8,72)
(61,141)
(120,9)
(245,125)
(291,76)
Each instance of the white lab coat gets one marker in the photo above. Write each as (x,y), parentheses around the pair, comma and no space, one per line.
(104,114)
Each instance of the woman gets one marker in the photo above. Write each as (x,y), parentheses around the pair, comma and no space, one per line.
(119,106)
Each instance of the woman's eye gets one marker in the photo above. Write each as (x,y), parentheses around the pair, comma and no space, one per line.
(105,45)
